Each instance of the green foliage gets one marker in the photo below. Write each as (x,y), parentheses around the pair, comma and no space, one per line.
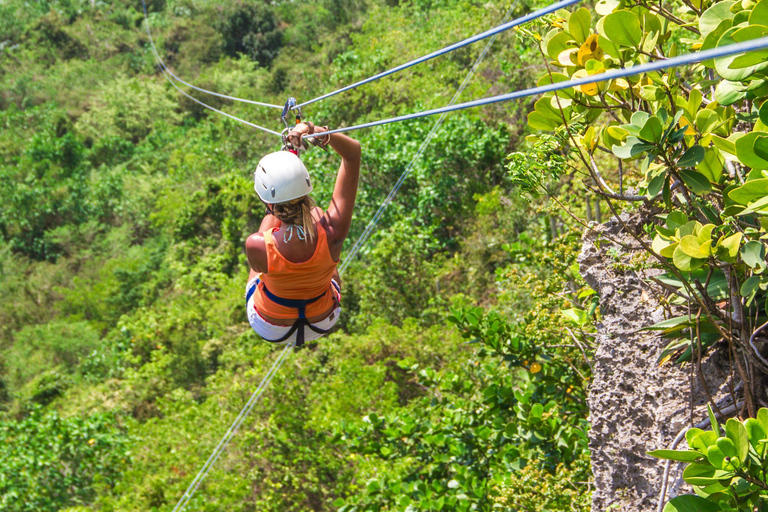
(536,490)
(128,108)
(42,356)
(126,206)
(251,28)
(690,142)
(726,471)
(48,462)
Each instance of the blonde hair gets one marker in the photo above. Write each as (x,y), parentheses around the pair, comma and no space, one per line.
(297,212)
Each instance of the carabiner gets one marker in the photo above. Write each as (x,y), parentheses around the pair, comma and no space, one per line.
(290,104)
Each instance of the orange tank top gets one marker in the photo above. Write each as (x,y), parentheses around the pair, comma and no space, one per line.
(289,280)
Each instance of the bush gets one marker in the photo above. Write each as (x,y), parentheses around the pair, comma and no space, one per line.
(41,353)
(251,29)
(48,462)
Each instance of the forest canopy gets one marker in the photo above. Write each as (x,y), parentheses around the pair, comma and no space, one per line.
(458,379)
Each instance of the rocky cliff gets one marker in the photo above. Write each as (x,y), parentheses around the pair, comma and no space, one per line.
(636,405)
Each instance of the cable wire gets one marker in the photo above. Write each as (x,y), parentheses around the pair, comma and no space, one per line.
(146,18)
(232,430)
(164,69)
(374,221)
(681,60)
(488,33)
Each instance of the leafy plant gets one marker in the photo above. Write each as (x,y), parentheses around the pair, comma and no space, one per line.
(725,466)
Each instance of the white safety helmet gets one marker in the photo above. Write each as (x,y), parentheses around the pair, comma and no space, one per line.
(281,177)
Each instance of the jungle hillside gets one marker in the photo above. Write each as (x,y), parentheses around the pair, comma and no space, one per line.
(460,376)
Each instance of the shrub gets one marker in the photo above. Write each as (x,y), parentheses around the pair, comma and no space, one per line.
(251,29)
(48,462)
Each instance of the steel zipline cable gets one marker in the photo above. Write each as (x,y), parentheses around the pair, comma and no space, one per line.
(681,60)
(146,19)
(166,72)
(374,221)
(488,33)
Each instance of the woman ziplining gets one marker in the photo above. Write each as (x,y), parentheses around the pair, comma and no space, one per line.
(294,290)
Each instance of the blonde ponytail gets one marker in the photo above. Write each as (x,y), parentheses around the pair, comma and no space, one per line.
(299,213)
(306,218)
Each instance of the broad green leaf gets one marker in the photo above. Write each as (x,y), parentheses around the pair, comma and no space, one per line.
(692,157)
(762,417)
(608,46)
(732,244)
(731,36)
(724,449)
(679,455)
(713,16)
(695,181)
(623,28)
(560,42)
(690,503)
(749,59)
(657,184)
(652,130)
(691,433)
(745,151)
(761,205)
(555,78)
(702,440)
(761,147)
(750,191)
(579,24)
(631,149)
(711,39)
(689,228)
(735,431)
(755,433)
(685,262)
(544,107)
(759,14)
(724,145)
(728,93)
(764,112)
(753,254)
(749,286)
(712,165)
(539,122)
(659,244)
(691,246)
(705,234)
(704,474)
(606,7)
(676,219)
(706,120)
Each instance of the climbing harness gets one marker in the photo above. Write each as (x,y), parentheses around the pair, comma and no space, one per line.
(300,306)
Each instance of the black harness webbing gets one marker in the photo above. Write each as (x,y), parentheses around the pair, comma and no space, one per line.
(302,322)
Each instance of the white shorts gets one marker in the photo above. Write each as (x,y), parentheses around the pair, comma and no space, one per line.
(270,331)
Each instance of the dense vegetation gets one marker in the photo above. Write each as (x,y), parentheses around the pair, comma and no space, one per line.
(124,348)
(458,378)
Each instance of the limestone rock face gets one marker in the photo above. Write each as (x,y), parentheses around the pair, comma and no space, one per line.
(635,405)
